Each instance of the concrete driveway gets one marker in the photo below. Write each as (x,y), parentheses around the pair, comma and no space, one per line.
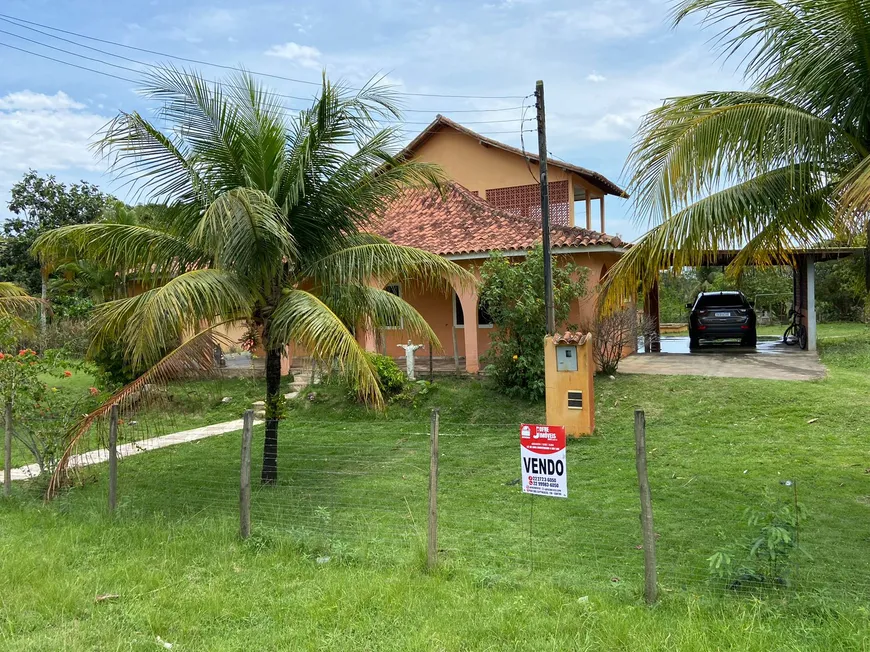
(770,360)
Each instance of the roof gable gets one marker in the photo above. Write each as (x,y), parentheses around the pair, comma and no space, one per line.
(598,180)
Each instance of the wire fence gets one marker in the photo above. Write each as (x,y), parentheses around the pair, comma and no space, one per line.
(357,492)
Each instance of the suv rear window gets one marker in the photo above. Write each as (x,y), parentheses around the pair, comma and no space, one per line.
(720,301)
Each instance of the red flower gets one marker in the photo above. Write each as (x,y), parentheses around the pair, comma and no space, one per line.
(2,356)
(94,391)
(22,352)
(67,373)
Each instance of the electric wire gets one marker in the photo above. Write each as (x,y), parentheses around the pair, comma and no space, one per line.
(15,19)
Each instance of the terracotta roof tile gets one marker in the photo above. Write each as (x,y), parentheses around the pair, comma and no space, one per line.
(459,222)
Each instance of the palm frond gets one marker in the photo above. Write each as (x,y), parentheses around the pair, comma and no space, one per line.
(154,321)
(788,205)
(372,260)
(303,318)
(244,229)
(155,164)
(15,302)
(361,304)
(692,145)
(192,357)
(151,254)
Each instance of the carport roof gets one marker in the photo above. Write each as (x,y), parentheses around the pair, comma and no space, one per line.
(820,254)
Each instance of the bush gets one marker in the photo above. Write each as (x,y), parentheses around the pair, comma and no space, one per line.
(513,294)
(766,557)
(615,334)
(113,370)
(390,377)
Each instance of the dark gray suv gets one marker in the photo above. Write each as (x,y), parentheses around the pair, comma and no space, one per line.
(721,316)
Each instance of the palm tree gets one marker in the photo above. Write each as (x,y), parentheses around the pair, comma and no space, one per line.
(265,222)
(765,170)
(15,302)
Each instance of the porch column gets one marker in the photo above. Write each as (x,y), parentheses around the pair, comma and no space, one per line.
(588,211)
(601,205)
(810,271)
(652,342)
(287,360)
(367,338)
(468,300)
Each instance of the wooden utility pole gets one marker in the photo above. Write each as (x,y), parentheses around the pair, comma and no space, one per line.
(545,208)
(650,586)
(245,475)
(113,458)
(432,538)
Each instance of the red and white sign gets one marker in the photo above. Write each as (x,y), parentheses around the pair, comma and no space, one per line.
(542,454)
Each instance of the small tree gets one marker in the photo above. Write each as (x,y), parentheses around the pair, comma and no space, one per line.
(513,294)
(615,334)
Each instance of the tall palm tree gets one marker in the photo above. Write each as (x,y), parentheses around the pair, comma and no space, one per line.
(265,222)
(781,165)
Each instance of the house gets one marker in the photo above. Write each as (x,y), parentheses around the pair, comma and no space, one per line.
(491,205)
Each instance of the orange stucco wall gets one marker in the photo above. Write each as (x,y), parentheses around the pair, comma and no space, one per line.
(437,309)
(479,167)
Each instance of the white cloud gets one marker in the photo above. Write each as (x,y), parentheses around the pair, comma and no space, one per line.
(305,55)
(45,132)
(30,101)
(595,78)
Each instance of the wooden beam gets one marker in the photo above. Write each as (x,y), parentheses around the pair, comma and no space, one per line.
(588,211)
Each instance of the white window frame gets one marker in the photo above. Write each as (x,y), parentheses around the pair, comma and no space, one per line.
(455,315)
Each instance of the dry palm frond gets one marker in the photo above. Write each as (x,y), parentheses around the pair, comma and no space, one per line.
(193,358)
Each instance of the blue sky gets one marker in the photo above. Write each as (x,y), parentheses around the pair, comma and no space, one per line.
(604,62)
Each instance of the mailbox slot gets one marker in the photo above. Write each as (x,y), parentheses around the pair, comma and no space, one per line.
(566,358)
(575,399)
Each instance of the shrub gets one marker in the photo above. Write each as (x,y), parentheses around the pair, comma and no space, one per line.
(113,370)
(766,556)
(513,294)
(390,377)
(616,333)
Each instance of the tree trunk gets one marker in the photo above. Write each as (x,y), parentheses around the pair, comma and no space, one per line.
(274,408)
(867,256)
(42,307)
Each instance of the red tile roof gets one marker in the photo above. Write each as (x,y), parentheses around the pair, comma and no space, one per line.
(460,222)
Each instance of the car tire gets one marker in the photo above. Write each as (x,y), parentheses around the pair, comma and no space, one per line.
(749,342)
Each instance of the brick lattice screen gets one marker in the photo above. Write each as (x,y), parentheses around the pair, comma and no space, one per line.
(526,201)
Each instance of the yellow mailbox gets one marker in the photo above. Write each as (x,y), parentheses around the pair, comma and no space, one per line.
(569,369)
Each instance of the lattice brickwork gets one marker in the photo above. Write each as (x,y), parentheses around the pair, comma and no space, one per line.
(526,201)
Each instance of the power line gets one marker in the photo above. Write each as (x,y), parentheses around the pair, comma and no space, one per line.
(147,64)
(127,79)
(68,63)
(218,83)
(225,67)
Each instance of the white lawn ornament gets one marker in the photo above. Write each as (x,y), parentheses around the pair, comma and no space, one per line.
(409,358)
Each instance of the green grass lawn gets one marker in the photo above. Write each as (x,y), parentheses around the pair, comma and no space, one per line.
(336,560)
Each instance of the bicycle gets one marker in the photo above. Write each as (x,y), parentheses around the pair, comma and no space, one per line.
(796,333)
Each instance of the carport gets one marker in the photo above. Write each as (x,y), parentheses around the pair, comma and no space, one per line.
(803,264)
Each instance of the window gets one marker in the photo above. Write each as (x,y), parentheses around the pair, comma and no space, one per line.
(723,300)
(483,318)
(394,288)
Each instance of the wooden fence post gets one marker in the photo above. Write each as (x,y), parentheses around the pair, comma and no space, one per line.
(113,458)
(650,589)
(7,450)
(245,475)
(432,539)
